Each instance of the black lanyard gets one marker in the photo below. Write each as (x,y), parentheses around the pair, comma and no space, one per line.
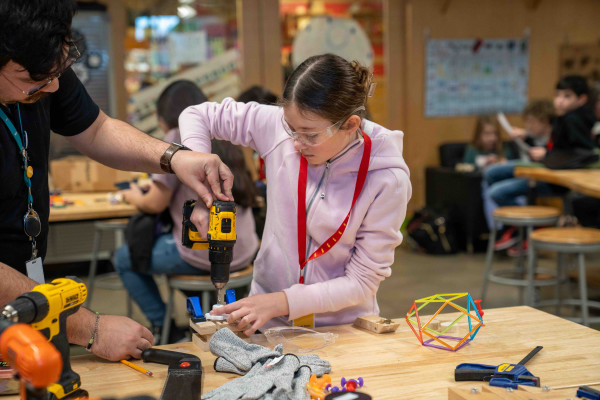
(31,221)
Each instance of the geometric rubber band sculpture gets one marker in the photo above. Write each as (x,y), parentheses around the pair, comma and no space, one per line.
(438,337)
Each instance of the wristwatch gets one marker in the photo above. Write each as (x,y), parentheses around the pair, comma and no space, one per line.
(165,159)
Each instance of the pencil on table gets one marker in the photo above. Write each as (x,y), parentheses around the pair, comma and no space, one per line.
(137,367)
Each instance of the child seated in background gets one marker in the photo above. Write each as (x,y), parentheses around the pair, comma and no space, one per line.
(571,129)
(503,188)
(487,147)
(169,256)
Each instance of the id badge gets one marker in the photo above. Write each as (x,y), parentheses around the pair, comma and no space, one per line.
(307,321)
(35,270)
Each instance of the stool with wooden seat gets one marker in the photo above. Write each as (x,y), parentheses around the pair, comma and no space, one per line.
(199,283)
(577,241)
(523,217)
(110,280)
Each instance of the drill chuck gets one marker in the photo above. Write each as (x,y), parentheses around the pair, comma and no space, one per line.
(29,308)
(220,255)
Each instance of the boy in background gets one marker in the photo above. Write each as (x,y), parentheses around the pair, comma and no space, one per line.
(571,129)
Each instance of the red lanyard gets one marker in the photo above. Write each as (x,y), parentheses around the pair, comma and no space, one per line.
(329,243)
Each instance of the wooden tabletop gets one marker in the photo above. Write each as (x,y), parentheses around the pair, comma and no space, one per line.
(395,365)
(586,181)
(90,206)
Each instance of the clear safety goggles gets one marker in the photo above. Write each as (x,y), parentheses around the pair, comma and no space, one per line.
(318,137)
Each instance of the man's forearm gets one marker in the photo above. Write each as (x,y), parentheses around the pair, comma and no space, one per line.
(120,145)
(13,284)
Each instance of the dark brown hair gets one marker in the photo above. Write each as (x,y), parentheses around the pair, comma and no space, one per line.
(258,94)
(540,109)
(176,97)
(483,120)
(243,190)
(329,86)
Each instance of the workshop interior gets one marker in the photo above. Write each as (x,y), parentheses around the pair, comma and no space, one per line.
(299,199)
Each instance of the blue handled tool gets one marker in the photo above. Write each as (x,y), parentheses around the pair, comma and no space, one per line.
(195,309)
(504,375)
(586,392)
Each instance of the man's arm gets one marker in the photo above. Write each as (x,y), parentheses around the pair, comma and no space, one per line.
(13,284)
(118,337)
(121,146)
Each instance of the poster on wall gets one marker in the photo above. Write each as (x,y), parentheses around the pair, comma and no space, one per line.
(476,76)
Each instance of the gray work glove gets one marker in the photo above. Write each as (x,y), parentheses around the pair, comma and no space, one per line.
(309,364)
(240,355)
(275,373)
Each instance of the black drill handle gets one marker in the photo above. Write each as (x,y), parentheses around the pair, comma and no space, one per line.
(164,356)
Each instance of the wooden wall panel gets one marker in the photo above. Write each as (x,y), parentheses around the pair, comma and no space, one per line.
(551,23)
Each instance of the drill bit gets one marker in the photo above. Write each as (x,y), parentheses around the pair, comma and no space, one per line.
(220,296)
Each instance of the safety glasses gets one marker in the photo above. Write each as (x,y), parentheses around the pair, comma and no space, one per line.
(318,137)
(73,56)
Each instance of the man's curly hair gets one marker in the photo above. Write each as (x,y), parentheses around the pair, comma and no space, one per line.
(34,33)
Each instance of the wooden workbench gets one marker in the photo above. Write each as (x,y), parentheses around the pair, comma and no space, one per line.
(585,181)
(395,365)
(95,206)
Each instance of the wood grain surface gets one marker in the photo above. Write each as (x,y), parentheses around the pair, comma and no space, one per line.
(395,365)
(586,181)
(90,206)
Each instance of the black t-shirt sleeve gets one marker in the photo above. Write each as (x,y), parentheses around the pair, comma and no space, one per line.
(72,110)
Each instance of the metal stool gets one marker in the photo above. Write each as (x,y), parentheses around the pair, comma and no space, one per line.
(110,280)
(522,217)
(574,241)
(200,283)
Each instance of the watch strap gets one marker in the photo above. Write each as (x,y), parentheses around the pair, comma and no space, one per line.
(165,159)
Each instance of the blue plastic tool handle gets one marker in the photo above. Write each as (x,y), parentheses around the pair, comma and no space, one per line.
(194,307)
(230,296)
(585,392)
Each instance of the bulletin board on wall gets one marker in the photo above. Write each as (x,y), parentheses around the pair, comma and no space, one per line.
(476,76)
(580,59)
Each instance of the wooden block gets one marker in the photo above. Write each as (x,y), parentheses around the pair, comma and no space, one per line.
(203,331)
(525,393)
(375,323)
(467,394)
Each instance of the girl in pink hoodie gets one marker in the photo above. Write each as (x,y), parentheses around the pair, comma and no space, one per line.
(337,190)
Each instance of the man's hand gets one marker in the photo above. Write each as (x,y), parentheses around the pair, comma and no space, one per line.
(251,313)
(537,153)
(203,173)
(121,338)
(201,218)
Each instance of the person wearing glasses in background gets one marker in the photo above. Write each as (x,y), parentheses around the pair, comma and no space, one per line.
(337,191)
(39,92)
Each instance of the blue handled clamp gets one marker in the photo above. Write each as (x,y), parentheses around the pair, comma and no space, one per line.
(504,375)
(586,392)
(230,296)
(195,309)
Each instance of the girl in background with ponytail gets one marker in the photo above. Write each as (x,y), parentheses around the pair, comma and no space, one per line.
(337,189)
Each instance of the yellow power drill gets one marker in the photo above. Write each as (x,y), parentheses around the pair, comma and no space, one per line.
(46,308)
(219,241)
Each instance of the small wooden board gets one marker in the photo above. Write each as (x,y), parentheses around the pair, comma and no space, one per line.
(203,331)
(497,393)
(377,324)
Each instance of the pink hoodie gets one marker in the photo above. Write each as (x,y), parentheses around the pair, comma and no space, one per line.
(342,284)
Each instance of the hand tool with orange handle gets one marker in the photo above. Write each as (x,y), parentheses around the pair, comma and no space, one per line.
(46,308)
(29,353)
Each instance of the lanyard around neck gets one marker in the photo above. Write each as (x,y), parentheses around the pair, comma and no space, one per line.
(333,239)
(22,150)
